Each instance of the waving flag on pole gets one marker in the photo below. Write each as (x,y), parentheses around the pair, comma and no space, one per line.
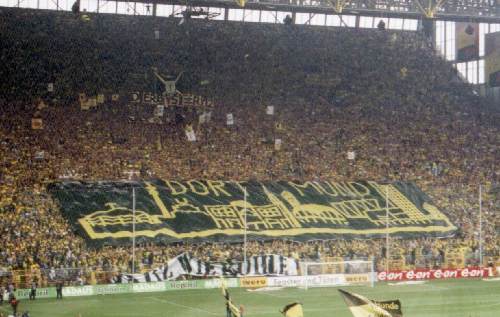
(231,309)
(241,3)
(361,306)
(293,310)
(223,288)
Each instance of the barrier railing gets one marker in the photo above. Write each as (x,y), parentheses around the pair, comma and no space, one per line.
(252,282)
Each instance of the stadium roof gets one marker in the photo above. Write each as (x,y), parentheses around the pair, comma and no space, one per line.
(457,10)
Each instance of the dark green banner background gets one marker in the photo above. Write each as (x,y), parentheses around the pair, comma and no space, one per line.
(215,210)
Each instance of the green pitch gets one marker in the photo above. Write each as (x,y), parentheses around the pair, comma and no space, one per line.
(465,298)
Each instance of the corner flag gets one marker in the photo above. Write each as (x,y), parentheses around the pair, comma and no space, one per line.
(293,310)
(361,306)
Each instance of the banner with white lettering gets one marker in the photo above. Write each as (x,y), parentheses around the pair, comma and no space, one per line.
(434,274)
(171,98)
(229,119)
(184,264)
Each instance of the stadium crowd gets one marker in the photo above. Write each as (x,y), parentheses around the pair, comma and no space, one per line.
(384,96)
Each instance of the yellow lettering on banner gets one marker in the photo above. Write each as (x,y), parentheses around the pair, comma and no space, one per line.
(377,187)
(286,212)
(333,189)
(360,189)
(176,188)
(304,186)
(240,185)
(151,189)
(253,282)
(216,187)
(357,278)
(372,204)
(313,212)
(350,210)
(198,187)
(359,205)
(332,193)
(108,217)
(391,305)
(344,189)
(224,216)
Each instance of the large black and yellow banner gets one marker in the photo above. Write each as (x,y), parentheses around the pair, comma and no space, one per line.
(218,210)
(467,41)
(492,59)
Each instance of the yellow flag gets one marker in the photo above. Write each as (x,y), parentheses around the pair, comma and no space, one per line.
(492,59)
(231,309)
(241,3)
(467,41)
(36,124)
(293,310)
(223,287)
(361,306)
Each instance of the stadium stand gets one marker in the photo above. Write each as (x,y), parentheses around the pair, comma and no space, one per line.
(383,95)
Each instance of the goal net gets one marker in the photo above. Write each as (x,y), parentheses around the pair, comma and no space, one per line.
(327,274)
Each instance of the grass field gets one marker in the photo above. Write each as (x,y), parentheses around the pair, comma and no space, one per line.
(459,298)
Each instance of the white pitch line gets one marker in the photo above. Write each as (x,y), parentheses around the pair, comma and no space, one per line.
(491,305)
(438,287)
(269,312)
(272,294)
(184,306)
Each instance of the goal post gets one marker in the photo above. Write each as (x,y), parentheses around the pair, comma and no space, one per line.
(328,274)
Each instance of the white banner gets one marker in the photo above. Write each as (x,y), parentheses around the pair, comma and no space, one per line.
(310,281)
(216,282)
(191,136)
(78,291)
(149,287)
(270,264)
(277,144)
(229,119)
(270,110)
(159,110)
